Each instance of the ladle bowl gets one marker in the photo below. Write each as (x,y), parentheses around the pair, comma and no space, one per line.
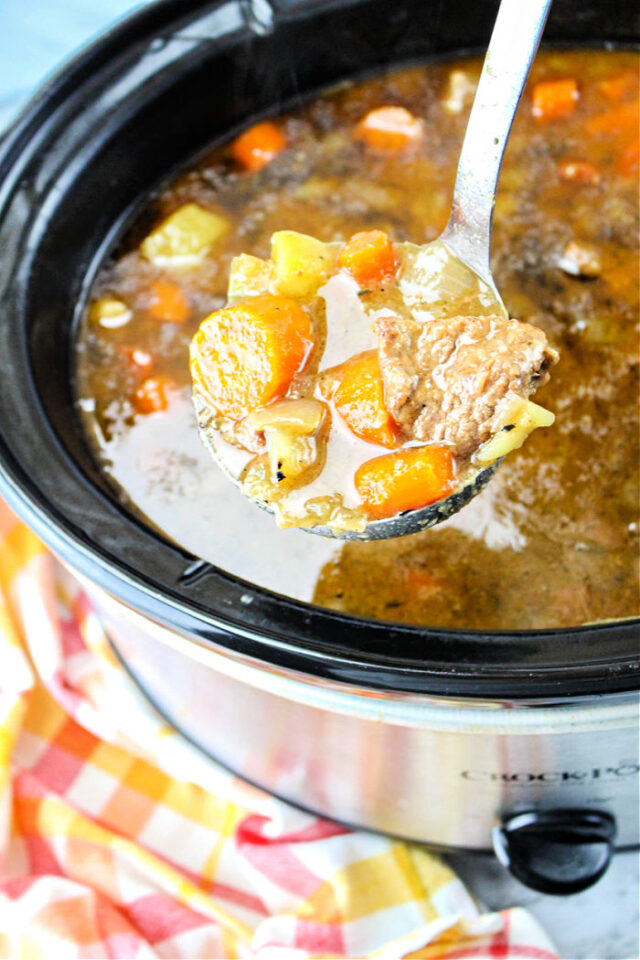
(516,35)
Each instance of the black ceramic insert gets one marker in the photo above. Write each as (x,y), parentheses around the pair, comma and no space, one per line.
(115,122)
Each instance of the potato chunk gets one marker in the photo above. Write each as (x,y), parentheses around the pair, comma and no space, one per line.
(301,264)
(183,239)
(249,276)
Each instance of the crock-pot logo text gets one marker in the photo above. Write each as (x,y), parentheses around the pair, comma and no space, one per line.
(618,772)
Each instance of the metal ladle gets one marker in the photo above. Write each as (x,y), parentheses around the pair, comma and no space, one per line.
(467,236)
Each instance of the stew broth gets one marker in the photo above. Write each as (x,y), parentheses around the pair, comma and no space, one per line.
(553,540)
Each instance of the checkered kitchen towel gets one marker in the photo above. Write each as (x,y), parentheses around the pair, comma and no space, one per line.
(118,839)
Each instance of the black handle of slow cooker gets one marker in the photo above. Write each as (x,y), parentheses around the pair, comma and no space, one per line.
(556,851)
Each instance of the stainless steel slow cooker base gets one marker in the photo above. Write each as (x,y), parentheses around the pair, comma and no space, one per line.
(440,771)
(430,734)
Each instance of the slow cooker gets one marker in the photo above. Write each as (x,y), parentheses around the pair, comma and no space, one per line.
(526,743)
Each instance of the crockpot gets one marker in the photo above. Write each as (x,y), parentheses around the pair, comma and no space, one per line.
(527,742)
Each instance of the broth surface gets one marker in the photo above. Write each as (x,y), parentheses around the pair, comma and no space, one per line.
(553,540)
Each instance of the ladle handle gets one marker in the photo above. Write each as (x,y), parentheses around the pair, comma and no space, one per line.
(514,41)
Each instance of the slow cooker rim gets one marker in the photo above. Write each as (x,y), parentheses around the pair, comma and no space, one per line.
(598,675)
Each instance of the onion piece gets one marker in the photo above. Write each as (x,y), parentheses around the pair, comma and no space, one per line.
(436,285)
(296,416)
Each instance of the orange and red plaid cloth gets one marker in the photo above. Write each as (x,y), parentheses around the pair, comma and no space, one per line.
(119,839)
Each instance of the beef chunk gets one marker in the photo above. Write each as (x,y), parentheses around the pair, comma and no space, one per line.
(445,380)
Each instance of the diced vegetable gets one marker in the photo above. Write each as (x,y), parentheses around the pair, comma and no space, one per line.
(301,263)
(329,510)
(439,284)
(520,418)
(109,313)
(298,416)
(621,119)
(578,171)
(269,477)
(619,86)
(359,399)
(340,518)
(405,480)
(184,237)
(389,129)
(152,395)
(581,259)
(256,481)
(249,276)
(168,303)
(420,584)
(368,257)
(554,99)
(258,145)
(460,91)
(138,358)
(629,161)
(246,355)
(289,427)
(290,454)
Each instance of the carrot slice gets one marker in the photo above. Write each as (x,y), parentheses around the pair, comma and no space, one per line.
(368,257)
(152,395)
(621,119)
(406,480)
(554,99)
(619,86)
(389,129)
(246,355)
(419,583)
(258,145)
(578,171)
(359,399)
(629,161)
(167,302)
